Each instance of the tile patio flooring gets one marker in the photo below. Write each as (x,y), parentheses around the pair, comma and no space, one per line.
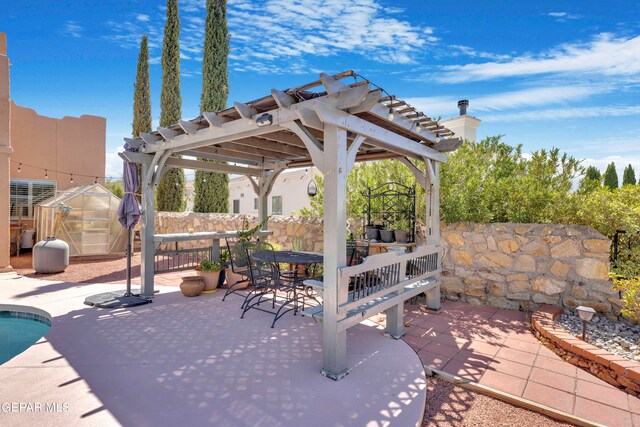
(496,348)
(193,362)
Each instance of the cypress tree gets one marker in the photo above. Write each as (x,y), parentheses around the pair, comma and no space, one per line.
(629,176)
(142,93)
(592,180)
(142,96)
(212,189)
(593,174)
(170,194)
(611,177)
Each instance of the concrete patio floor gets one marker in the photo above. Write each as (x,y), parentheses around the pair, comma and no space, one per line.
(495,348)
(192,361)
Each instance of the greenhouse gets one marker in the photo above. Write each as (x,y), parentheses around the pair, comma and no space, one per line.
(84,217)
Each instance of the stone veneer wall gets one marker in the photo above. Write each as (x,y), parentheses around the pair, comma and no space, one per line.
(521,266)
(285,228)
(516,266)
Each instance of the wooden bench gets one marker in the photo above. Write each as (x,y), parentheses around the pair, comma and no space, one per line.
(379,283)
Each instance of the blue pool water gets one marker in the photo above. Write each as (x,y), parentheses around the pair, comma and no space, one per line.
(19,331)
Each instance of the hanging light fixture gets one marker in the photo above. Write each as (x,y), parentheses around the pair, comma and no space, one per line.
(19,167)
(312,188)
(46,174)
(437,137)
(418,127)
(71,179)
(96,181)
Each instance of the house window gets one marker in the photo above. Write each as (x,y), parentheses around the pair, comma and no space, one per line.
(25,194)
(236,206)
(276,205)
(255,203)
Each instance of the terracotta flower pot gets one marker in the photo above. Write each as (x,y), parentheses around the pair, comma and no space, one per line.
(192,286)
(235,278)
(210,279)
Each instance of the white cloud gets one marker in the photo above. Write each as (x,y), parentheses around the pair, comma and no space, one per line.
(514,100)
(72,29)
(565,113)
(282,36)
(113,165)
(562,16)
(604,56)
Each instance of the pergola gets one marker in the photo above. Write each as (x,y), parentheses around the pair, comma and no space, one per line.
(330,124)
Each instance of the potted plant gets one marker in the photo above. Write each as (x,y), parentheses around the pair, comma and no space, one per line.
(224,262)
(372,231)
(402,231)
(210,272)
(386,236)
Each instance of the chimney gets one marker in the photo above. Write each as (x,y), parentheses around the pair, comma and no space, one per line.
(462,105)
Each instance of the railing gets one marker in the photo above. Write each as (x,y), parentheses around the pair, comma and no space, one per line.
(391,273)
(180,259)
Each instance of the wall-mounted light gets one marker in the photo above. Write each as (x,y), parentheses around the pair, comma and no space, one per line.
(312,188)
(264,120)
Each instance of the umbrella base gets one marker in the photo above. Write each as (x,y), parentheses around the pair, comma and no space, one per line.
(116,299)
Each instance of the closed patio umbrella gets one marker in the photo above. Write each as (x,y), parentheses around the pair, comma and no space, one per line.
(128,215)
(129,210)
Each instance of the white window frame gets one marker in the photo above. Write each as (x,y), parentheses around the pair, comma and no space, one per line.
(273,211)
(30,196)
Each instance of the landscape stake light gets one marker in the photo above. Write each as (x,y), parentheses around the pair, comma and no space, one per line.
(586,314)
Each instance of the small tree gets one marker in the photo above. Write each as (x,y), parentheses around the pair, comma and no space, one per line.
(611,177)
(629,176)
(115,187)
(170,194)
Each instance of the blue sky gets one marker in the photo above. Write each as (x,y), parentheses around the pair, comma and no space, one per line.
(544,74)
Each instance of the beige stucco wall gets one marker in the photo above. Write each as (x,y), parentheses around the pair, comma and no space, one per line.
(291,185)
(70,144)
(5,152)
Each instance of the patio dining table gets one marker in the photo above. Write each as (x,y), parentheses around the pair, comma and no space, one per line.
(299,289)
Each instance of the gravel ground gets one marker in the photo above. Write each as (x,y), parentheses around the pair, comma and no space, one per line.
(451,405)
(617,336)
(447,404)
(83,270)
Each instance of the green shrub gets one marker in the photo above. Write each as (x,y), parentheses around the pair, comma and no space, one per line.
(630,290)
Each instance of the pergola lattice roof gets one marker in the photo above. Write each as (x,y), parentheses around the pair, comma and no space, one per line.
(285,143)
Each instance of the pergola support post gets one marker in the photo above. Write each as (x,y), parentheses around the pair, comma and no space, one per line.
(433,225)
(334,345)
(148,223)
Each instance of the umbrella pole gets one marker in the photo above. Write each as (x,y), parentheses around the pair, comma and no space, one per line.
(128,293)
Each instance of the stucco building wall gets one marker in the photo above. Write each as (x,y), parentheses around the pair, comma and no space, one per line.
(70,144)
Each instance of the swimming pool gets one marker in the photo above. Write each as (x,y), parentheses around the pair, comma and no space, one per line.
(20,328)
